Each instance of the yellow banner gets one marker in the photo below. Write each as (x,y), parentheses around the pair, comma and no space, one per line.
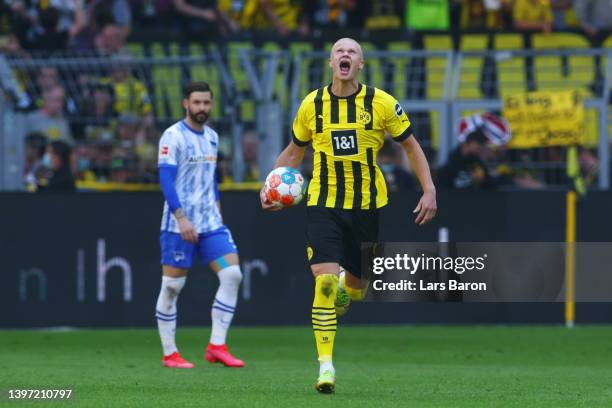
(546,118)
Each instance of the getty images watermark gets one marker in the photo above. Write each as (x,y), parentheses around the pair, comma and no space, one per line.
(485,271)
(412,264)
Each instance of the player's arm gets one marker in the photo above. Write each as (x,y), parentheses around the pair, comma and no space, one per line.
(398,125)
(427,207)
(292,156)
(167,164)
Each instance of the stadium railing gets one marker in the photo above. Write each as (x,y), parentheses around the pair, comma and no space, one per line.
(151,91)
(262,89)
(267,74)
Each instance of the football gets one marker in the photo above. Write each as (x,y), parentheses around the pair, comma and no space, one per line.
(285,186)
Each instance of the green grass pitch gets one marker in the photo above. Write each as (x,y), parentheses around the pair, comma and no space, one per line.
(377,366)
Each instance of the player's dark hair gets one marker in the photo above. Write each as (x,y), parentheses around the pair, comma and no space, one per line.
(197,87)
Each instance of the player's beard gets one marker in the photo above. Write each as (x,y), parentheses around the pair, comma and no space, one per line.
(198,117)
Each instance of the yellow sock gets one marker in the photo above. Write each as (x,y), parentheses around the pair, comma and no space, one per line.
(324,315)
(355,294)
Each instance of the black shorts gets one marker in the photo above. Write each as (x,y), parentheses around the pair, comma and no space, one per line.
(336,235)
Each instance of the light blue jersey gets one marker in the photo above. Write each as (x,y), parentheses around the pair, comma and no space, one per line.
(194,154)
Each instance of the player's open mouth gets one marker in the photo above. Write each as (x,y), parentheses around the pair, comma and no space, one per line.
(345,67)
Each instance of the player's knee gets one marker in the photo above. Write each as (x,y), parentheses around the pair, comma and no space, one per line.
(327,283)
(231,275)
(173,286)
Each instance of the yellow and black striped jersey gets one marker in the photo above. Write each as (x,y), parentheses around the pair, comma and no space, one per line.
(346,134)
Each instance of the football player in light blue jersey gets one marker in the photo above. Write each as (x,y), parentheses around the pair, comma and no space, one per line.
(192,224)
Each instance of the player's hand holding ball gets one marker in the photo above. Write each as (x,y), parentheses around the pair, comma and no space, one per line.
(284,187)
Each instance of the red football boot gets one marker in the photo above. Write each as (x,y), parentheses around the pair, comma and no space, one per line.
(175,360)
(220,354)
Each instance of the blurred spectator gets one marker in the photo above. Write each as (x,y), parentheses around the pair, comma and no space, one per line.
(102,156)
(146,139)
(249,156)
(525,180)
(384,14)
(35,147)
(109,41)
(47,78)
(397,177)
(560,9)
(41,32)
(49,37)
(57,159)
(472,14)
(5,12)
(84,154)
(97,114)
(200,16)
(224,169)
(123,167)
(50,119)
(135,152)
(465,168)
(117,12)
(532,15)
(356,15)
(280,15)
(236,15)
(514,168)
(594,15)
(97,18)
(487,14)
(153,13)
(127,130)
(130,94)
(11,47)
(23,18)
(324,15)
(67,11)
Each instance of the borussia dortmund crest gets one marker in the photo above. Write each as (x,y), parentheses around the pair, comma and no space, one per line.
(364,117)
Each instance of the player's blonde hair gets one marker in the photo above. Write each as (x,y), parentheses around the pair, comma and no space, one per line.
(346,39)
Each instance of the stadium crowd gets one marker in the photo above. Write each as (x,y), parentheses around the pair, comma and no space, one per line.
(102,25)
(109,123)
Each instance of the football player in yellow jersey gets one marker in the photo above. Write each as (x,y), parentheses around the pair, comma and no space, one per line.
(346,124)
